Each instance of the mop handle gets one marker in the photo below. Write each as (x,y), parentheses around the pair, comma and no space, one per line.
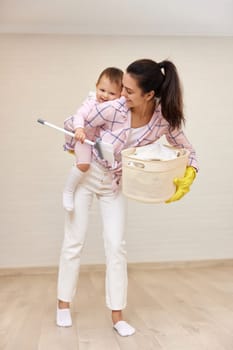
(42,121)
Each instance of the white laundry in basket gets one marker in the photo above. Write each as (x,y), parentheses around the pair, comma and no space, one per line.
(155,151)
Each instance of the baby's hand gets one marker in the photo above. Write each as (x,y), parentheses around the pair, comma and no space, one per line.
(80,135)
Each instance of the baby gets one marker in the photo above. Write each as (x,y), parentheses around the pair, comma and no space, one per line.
(108,87)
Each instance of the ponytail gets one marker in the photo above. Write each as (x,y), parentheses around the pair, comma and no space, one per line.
(171,95)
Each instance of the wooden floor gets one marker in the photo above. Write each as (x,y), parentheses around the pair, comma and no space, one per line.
(171,309)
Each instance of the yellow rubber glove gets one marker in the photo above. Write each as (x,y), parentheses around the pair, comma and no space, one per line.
(183,184)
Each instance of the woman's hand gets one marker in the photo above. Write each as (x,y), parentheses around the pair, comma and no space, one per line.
(183,184)
(80,135)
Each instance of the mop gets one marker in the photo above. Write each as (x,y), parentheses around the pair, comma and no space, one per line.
(104,150)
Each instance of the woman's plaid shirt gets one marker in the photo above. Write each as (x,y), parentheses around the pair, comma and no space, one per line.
(112,119)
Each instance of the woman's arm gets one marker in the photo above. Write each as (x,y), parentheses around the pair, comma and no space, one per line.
(178,139)
(108,115)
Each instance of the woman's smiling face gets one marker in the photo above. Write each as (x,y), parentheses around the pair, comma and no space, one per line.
(132,92)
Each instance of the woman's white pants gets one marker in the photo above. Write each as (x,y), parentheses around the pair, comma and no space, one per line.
(96,182)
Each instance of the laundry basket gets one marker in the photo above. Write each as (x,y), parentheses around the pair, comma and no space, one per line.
(151,181)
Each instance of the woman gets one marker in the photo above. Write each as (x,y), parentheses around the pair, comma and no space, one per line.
(151,106)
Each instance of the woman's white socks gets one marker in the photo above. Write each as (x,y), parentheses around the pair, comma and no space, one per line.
(123,328)
(72,181)
(64,318)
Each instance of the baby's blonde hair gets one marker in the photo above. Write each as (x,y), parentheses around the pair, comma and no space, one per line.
(115,75)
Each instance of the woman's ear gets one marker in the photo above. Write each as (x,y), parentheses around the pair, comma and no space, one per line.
(150,95)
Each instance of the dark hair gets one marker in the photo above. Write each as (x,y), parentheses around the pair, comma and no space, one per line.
(163,79)
(115,75)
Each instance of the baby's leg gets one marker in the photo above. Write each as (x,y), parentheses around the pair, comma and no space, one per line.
(83,166)
(83,159)
(83,156)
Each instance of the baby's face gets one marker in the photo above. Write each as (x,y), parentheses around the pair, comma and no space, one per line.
(107,90)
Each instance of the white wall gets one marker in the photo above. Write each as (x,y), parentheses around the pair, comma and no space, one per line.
(48,76)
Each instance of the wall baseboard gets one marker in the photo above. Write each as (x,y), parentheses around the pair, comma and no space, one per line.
(37,270)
